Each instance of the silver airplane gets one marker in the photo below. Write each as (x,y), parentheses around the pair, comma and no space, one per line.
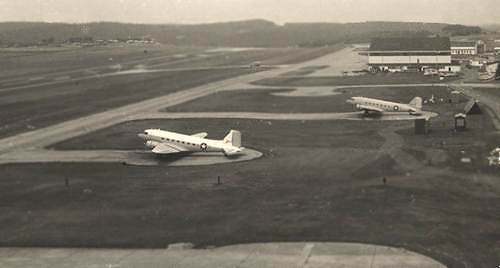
(369,105)
(165,142)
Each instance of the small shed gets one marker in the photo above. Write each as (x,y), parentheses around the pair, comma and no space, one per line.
(494,158)
(455,96)
(460,121)
(472,108)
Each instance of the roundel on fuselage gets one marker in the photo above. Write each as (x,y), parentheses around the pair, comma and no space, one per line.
(203,146)
(396,108)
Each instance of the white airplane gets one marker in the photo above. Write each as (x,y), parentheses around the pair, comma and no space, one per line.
(380,106)
(165,142)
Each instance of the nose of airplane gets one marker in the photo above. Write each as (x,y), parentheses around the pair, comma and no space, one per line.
(141,135)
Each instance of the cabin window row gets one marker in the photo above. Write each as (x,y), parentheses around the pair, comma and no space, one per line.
(183,142)
(379,105)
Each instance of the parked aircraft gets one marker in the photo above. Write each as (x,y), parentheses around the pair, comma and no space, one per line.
(369,105)
(165,142)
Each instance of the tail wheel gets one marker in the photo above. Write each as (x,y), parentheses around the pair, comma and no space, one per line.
(204,147)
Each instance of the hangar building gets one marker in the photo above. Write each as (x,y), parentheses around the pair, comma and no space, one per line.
(405,54)
(464,48)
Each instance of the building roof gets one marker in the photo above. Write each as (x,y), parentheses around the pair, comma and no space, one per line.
(472,107)
(463,44)
(411,44)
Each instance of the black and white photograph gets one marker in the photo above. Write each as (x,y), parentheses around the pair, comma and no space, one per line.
(249,133)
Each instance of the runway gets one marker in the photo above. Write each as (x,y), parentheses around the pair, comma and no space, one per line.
(79,74)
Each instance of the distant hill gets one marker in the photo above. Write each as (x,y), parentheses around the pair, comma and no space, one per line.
(492,27)
(258,33)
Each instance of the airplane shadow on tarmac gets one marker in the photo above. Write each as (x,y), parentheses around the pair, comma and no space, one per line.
(144,158)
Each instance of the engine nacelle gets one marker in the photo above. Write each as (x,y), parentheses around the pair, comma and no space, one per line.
(152,144)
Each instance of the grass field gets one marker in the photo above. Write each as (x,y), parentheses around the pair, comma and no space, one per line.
(445,147)
(314,175)
(124,136)
(495,92)
(22,110)
(39,63)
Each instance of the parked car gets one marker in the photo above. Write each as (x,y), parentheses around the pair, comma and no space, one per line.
(431,71)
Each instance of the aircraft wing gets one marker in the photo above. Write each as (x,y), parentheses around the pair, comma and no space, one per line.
(370,108)
(200,135)
(164,148)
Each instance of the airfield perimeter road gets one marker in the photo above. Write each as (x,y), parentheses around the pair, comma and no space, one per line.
(250,255)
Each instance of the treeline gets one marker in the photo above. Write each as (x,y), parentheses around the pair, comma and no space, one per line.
(461,30)
(258,33)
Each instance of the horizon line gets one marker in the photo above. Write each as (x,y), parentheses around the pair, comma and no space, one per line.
(246,20)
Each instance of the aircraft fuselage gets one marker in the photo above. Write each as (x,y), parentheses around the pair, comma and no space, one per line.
(382,106)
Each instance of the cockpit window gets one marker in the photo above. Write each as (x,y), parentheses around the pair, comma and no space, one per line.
(146,133)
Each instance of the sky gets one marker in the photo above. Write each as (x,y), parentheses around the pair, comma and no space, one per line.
(471,12)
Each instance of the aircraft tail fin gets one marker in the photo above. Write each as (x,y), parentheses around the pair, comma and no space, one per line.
(416,102)
(234,138)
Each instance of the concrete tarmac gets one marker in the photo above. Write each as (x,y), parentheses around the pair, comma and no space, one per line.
(248,255)
(133,158)
(356,116)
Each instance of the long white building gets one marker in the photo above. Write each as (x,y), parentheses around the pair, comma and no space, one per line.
(410,53)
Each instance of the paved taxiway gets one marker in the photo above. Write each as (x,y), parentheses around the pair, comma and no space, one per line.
(139,158)
(335,90)
(357,116)
(249,255)
(80,74)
